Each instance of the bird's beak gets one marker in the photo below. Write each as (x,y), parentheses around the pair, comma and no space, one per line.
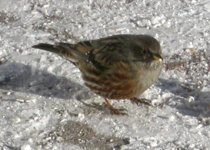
(157,57)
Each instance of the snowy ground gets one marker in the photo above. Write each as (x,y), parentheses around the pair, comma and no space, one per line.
(44,104)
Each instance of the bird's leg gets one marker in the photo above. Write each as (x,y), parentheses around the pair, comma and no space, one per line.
(139,101)
(114,111)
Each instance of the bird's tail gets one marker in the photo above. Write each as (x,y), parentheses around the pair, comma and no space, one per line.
(65,50)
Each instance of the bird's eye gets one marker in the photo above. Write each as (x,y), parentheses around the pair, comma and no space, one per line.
(145,52)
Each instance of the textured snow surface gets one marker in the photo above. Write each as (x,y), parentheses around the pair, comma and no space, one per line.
(44,104)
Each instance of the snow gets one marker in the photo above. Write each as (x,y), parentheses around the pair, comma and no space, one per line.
(45,105)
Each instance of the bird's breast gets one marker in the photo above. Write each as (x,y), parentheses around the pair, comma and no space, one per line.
(115,84)
(121,83)
(148,74)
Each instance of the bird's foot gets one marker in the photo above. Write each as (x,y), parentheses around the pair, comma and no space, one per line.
(95,105)
(118,111)
(139,101)
(115,111)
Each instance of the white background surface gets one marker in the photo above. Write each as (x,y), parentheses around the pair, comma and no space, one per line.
(44,104)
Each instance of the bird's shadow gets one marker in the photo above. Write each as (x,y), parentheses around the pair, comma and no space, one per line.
(197,107)
(24,78)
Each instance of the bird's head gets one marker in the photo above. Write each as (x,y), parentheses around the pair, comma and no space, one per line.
(146,49)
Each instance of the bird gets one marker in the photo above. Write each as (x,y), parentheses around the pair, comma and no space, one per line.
(115,67)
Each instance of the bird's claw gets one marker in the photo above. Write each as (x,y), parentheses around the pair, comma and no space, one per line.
(140,101)
(118,111)
(115,111)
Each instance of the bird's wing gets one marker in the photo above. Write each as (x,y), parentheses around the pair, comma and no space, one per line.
(105,52)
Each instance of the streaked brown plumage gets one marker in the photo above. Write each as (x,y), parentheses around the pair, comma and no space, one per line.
(115,67)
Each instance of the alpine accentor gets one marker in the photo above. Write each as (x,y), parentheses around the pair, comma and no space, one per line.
(115,67)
